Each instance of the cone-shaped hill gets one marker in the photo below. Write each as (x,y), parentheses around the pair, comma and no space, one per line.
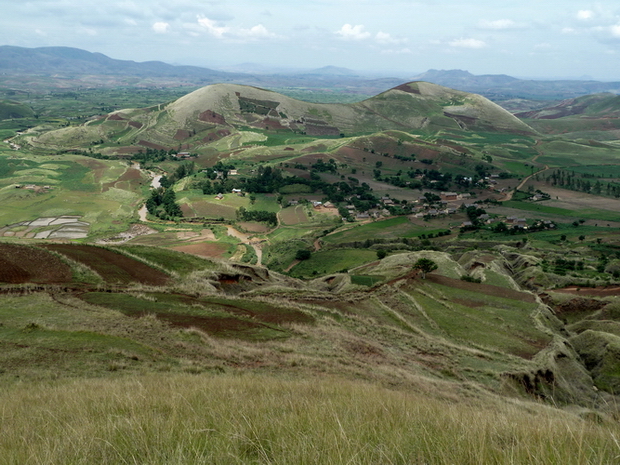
(214,112)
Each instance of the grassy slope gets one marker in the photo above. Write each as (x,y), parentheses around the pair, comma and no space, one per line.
(188,419)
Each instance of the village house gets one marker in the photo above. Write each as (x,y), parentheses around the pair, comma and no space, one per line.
(449,196)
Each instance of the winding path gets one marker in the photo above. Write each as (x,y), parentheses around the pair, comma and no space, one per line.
(246,240)
(154,184)
(509,195)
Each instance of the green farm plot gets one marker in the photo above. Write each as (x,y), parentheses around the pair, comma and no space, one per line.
(287,233)
(210,206)
(498,138)
(517,167)
(332,261)
(293,215)
(389,228)
(593,214)
(603,171)
(264,202)
(564,153)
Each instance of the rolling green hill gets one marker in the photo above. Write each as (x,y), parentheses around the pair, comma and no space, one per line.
(10,110)
(240,113)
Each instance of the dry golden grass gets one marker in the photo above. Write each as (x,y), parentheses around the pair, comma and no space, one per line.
(199,419)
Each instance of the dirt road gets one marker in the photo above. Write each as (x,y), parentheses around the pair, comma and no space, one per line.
(246,239)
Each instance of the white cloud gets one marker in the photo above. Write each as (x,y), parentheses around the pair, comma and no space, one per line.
(615,30)
(568,30)
(235,34)
(257,32)
(212,27)
(161,28)
(349,32)
(386,38)
(584,15)
(497,24)
(401,51)
(468,43)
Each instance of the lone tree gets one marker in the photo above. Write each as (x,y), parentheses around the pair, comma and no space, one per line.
(425,265)
(303,254)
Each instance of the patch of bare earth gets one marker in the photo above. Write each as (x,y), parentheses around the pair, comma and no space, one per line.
(255,227)
(132,176)
(111,266)
(95,166)
(21,264)
(193,236)
(205,249)
(605,291)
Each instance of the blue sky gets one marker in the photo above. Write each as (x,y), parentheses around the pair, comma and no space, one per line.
(542,39)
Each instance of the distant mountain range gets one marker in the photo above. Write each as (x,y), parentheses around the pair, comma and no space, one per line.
(72,63)
(501,86)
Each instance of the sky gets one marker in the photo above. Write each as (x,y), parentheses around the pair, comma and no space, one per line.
(528,38)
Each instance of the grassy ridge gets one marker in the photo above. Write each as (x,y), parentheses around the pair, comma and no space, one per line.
(190,419)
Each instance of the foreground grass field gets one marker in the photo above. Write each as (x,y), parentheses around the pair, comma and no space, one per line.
(143,355)
(223,419)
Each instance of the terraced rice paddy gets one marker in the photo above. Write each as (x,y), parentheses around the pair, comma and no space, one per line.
(56,227)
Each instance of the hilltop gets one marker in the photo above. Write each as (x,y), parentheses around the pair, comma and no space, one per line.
(226,110)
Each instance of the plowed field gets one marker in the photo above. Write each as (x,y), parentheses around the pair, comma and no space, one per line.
(21,264)
(111,266)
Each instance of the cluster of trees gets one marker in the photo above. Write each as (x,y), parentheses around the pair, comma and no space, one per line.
(581,183)
(322,167)
(162,203)
(153,155)
(271,180)
(560,266)
(257,215)
(184,170)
